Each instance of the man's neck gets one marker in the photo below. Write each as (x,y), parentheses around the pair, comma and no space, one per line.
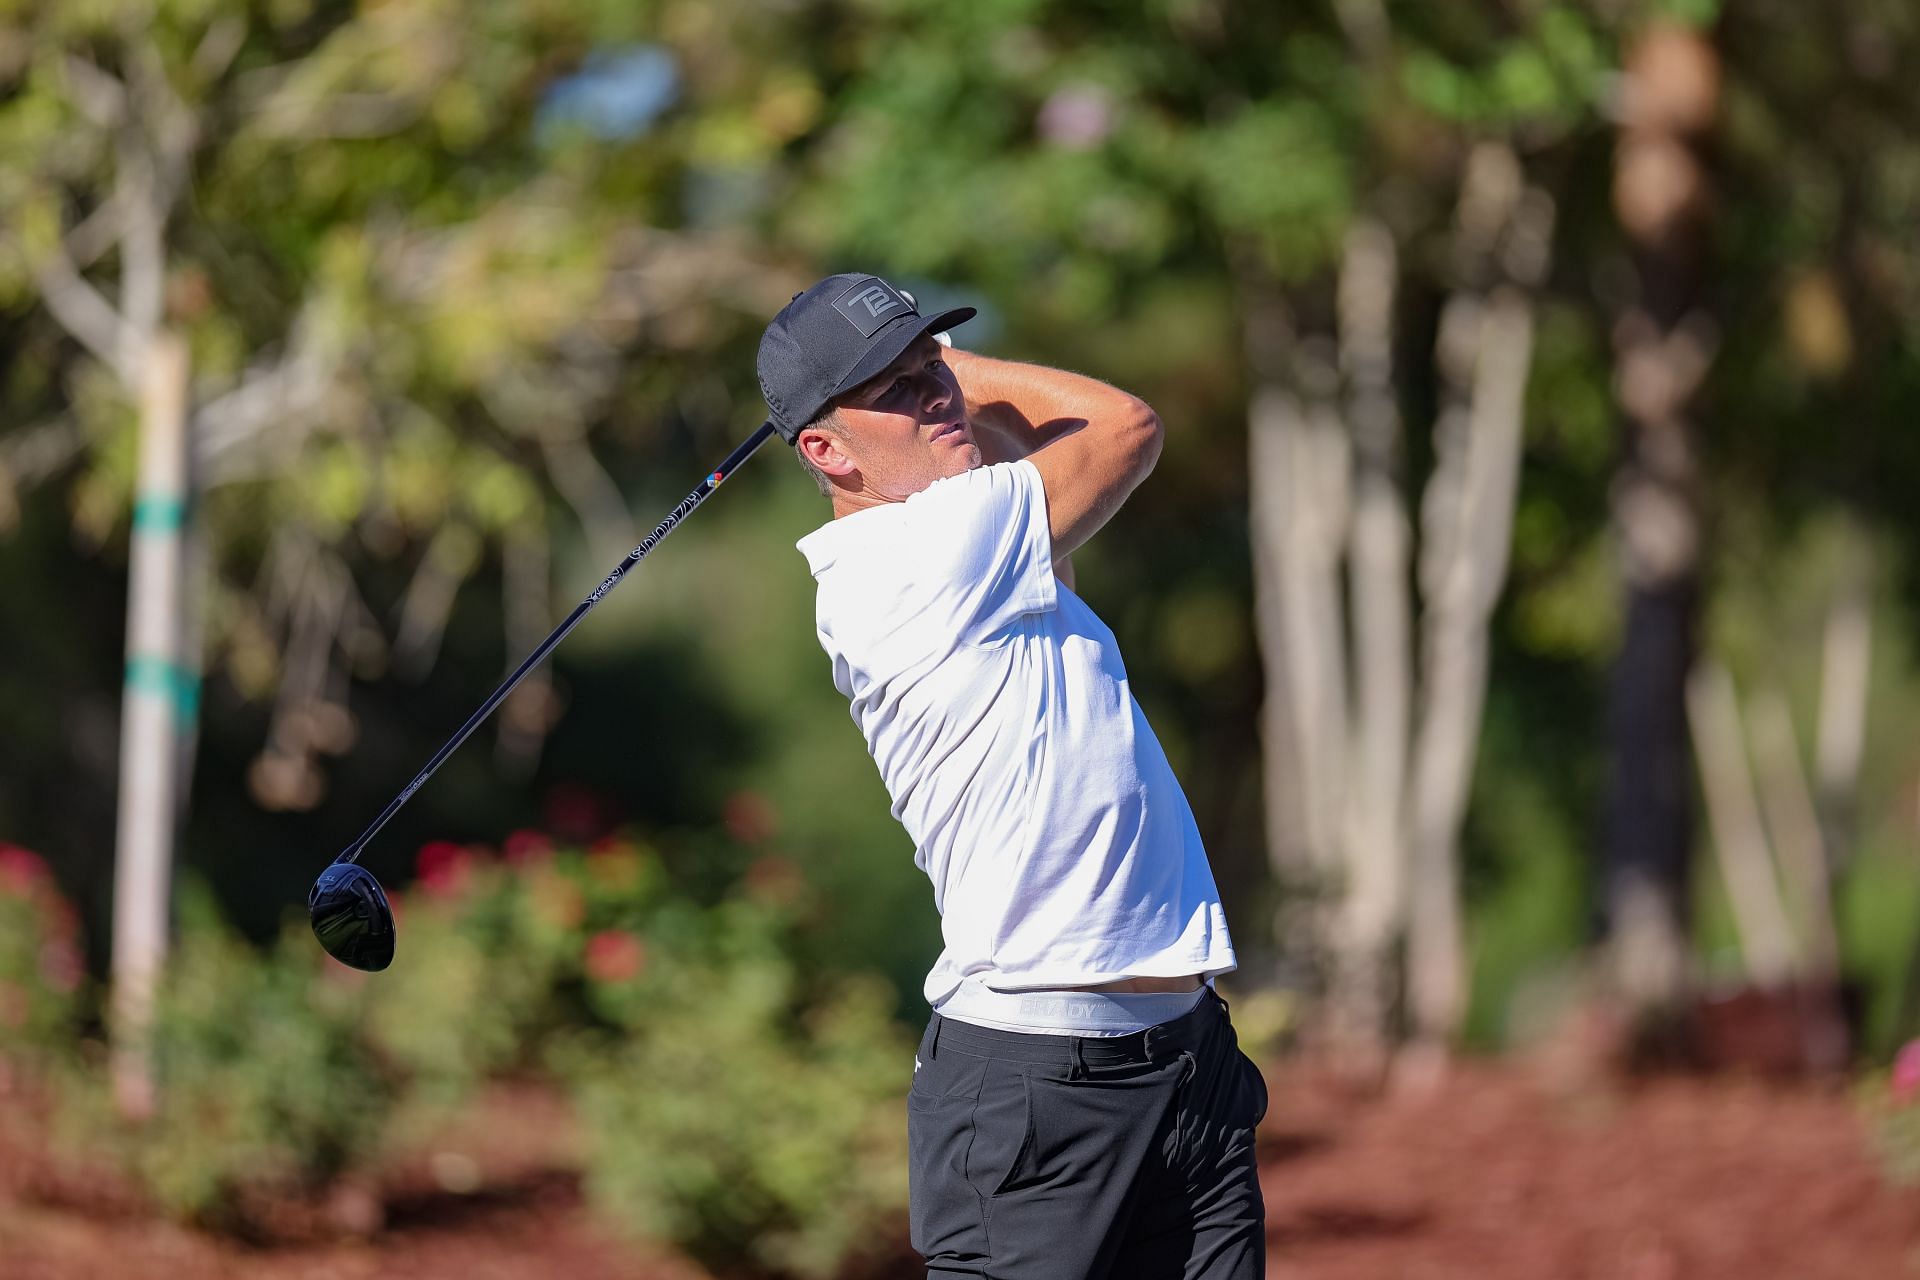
(847,504)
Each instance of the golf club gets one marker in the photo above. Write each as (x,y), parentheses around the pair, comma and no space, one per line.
(349,910)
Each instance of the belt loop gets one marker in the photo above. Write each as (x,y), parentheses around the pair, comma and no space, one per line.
(933,1044)
(1078,1071)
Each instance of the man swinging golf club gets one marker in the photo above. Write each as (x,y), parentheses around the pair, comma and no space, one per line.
(1079,1108)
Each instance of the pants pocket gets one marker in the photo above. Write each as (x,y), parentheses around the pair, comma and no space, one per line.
(942,1211)
(966,1123)
(1258,1083)
(1076,1130)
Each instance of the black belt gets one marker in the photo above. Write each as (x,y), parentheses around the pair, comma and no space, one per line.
(1156,1044)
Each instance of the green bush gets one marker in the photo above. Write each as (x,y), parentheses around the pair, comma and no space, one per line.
(279,1072)
(265,1087)
(40,964)
(726,1111)
(1891,1101)
(484,950)
(731,1107)
(742,1131)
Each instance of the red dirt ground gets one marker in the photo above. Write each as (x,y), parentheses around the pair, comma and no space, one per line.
(1495,1176)
(1491,1174)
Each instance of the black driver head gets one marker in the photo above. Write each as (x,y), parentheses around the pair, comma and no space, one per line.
(351,916)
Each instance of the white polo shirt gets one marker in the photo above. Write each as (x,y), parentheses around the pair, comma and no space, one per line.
(1061,848)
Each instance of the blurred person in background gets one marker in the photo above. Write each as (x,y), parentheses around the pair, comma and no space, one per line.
(1080,1106)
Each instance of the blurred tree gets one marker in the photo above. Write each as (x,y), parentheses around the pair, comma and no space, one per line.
(1664,341)
(403,278)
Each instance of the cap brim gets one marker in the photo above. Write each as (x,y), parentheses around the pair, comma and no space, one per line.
(891,342)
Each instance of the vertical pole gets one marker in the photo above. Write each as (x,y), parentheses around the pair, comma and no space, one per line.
(152,711)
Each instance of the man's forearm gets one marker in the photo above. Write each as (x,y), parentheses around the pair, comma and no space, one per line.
(1018,408)
(1092,443)
(1008,404)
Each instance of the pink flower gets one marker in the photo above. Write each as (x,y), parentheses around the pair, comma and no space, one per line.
(61,967)
(443,868)
(1077,117)
(21,871)
(614,955)
(62,924)
(523,848)
(1905,1080)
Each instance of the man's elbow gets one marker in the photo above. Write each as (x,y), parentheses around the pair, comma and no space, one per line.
(1144,436)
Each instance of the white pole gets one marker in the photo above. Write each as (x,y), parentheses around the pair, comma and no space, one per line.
(151,715)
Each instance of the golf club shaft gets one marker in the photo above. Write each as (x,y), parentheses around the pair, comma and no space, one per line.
(661,530)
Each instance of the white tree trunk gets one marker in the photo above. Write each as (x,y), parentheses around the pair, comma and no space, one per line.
(1472,492)
(1367,925)
(1485,354)
(1845,672)
(150,718)
(1299,474)
(1297,495)
(1787,802)
(1739,839)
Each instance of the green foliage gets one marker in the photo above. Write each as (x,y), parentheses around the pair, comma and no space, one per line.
(731,1108)
(1281,174)
(734,1107)
(40,965)
(746,1125)
(1525,896)
(266,1086)
(1890,1103)
(1876,905)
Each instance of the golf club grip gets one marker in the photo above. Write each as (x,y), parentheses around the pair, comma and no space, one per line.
(633,557)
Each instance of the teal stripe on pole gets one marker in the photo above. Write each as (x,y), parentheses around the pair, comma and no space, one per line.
(159,513)
(162,678)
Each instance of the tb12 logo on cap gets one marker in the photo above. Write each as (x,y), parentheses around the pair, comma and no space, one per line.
(870,303)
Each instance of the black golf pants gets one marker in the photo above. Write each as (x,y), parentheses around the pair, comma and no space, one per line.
(1043,1157)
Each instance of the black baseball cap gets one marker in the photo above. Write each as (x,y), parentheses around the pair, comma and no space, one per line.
(833,337)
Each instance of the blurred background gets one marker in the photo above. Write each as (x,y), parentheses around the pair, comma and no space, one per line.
(1525,598)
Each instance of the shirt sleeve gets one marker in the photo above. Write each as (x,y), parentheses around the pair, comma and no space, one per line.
(983,548)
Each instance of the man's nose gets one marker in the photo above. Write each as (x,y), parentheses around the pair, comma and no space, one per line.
(935,394)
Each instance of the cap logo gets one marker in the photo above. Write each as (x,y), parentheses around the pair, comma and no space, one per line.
(871,303)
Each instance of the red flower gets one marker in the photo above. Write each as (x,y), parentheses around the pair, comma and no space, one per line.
(750,817)
(575,812)
(523,848)
(443,868)
(614,955)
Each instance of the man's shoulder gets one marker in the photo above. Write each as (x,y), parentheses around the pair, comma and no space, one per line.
(845,536)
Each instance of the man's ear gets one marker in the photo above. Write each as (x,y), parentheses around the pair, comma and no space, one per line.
(822,449)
